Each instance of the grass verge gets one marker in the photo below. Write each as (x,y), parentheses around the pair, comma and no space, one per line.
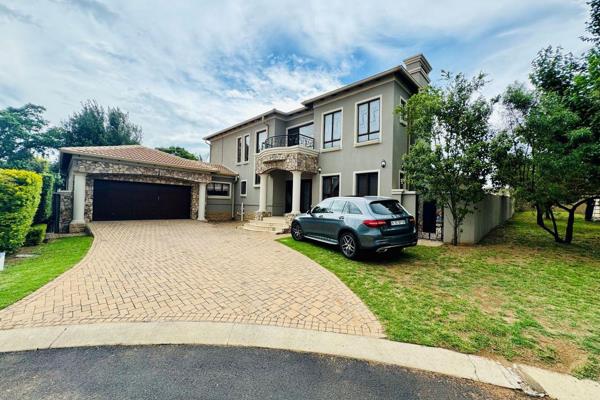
(23,276)
(516,296)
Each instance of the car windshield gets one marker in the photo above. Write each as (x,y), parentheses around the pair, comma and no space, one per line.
(387,207)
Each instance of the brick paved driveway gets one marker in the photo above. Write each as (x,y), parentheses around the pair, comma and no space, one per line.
(190,271)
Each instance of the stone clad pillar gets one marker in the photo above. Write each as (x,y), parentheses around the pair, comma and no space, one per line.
(262,200)
(296,185)
(78,198)
(202,201)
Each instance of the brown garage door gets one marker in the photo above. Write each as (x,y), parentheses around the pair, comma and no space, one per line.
(115,200)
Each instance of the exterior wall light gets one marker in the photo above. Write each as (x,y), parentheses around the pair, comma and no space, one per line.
(319,170)
(383,163)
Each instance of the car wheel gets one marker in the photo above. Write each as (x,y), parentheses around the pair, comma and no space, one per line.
(297,232)
(349,245)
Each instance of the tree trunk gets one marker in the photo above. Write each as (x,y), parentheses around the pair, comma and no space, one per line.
(540,221)
(570,223)
(455,234)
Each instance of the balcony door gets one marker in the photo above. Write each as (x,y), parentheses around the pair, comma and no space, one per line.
(298,134)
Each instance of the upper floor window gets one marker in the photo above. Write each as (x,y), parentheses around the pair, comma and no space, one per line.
(246,148)
(402,116)
(238,157)
(261,136)
(332,129)
(368,120)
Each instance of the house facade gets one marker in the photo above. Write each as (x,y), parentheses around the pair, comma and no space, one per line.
(347,141)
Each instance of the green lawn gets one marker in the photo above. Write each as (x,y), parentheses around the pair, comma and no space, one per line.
(517,296)
(23,276)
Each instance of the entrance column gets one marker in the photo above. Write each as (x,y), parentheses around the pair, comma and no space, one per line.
(262,200)
(202,201)
(296,185)
(78,198)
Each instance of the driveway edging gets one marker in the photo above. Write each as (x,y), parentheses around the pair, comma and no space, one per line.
(442,361)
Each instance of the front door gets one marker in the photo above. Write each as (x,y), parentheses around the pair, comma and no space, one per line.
(305,195)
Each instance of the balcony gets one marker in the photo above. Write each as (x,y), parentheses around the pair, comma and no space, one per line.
(288,141)
(295,152)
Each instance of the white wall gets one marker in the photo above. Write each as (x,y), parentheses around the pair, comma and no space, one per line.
(488,214)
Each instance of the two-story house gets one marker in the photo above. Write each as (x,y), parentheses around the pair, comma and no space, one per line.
(347,141)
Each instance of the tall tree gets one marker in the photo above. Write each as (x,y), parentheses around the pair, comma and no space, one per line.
(179,152)
(95,126)
(24,137)
(550,152)
(449,160)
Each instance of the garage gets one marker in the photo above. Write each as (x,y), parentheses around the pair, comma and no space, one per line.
(133,182)
(116,200)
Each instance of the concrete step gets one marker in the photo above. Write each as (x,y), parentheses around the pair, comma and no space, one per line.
(275,224)
(253,228)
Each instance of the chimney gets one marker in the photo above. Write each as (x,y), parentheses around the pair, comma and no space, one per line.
(419,68)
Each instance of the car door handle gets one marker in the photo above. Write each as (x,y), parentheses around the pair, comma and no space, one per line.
(320,216)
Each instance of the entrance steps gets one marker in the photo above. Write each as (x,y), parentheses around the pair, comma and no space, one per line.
(268,224)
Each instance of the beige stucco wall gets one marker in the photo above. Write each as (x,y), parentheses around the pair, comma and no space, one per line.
(488,214)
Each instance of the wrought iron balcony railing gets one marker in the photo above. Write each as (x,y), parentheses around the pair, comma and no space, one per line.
(288,140)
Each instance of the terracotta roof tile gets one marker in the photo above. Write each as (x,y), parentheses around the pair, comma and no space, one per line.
(145,155)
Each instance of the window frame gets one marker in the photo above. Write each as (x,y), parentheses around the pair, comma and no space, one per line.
(256,148)
(212,196)
(246,148)
(355,176)
(244,194)
(356,125)
(403,102)
(339,175)
(239,150)
(323,116)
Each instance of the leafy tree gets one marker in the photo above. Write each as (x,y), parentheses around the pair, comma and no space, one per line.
(24,136)
(544,155)
(95,126)
(449,160)
(550,152)
(179,152)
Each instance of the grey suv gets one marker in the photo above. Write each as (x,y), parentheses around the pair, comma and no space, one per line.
(358,223)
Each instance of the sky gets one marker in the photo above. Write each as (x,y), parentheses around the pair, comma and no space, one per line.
(184,69)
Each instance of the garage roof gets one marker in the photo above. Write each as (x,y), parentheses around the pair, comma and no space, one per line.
(146,155)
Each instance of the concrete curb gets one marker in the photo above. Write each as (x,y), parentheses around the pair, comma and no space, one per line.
(442,361)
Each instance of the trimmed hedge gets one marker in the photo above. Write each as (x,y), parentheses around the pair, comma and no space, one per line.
(19,199)
(44,210)
(35,235)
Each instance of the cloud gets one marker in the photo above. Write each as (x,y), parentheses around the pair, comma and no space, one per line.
(185,69)
(8,14)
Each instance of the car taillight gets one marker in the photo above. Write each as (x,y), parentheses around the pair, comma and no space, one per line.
(374,223)
(411,219)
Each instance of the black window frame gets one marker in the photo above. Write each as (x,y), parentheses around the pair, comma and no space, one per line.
(325,195)
(246,148)
(258,141)
(256,179)
(243,185)
(368,133)
(332,143)
(370,183)
(238,150)
(212,186)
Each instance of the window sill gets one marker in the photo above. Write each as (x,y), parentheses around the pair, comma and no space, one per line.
(370,142)
(330,149)
(219,197)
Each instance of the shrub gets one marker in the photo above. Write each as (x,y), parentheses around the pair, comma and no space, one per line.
(19,199)
(44,210)
(35,235)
